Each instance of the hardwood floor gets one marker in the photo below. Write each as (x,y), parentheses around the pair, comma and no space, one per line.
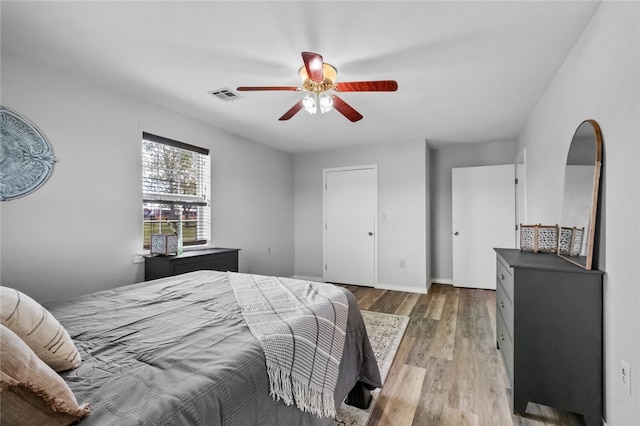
(447,370)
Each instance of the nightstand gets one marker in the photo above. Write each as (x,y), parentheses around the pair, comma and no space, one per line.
(216,259)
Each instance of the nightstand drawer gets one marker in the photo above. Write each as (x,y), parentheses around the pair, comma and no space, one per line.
(221,262)
(504,275)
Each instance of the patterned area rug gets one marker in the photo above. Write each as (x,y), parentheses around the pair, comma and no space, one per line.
(385,333)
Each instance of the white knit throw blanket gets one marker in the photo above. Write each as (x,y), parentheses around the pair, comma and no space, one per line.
(301,327)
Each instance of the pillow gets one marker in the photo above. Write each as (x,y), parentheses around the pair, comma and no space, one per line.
(31,393)
(39,329)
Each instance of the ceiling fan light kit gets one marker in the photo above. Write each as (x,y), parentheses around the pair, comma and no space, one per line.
(314,102)
(326,102)
(309,104)
(318,77)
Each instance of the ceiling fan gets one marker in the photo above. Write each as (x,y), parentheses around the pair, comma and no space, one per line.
(319,78)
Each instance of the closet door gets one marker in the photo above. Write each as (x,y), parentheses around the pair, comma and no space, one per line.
(350,231)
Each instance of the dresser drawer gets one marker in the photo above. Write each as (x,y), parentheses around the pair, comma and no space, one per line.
(506,346)
(504,275)
(504,306)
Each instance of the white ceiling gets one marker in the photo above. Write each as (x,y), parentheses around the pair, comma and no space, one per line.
(467,71)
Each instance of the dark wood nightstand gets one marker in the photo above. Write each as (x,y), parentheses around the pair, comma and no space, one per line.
(216,259)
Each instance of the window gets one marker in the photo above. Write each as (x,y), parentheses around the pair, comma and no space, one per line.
(175,190)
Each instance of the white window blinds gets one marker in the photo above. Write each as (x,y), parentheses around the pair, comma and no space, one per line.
(175,186)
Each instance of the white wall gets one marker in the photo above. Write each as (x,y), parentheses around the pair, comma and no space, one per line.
(443,160)
(600,80)
(401,200)
(79,232)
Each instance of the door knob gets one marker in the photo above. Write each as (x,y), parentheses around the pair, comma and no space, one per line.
(370,233)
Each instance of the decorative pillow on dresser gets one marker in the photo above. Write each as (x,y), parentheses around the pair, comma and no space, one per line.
(31,393)
(39,329)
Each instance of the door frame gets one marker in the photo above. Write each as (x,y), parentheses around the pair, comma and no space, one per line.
(521,192)
(325,171)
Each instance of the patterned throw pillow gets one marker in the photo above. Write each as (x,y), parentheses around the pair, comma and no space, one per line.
(39,329)
(31,393)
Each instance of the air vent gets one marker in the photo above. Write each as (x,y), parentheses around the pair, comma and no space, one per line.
(225,94)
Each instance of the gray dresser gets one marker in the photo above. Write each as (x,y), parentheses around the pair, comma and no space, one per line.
(549,331)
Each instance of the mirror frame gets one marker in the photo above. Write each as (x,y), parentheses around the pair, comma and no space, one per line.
(590,234)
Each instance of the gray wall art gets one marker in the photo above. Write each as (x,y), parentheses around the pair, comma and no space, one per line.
(26,158)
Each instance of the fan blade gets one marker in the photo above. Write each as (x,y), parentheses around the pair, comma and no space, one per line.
(262,88)
(345,109)
(367,86)
(293,111)
(313,64)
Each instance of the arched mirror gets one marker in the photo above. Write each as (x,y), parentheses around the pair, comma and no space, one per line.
(580,201)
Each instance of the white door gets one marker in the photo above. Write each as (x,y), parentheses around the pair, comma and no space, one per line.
(350,219)
(483,205)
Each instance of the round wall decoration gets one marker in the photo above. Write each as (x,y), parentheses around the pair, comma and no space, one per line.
(26,158)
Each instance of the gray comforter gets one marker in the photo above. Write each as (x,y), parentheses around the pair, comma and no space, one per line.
(176,351)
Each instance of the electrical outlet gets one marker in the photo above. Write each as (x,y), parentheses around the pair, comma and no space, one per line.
(625,376)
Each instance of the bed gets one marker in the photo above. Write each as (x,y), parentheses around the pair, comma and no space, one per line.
(177,351)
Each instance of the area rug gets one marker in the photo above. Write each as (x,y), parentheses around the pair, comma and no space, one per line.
(385,334)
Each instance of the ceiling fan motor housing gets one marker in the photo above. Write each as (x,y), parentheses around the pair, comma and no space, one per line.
(329,73)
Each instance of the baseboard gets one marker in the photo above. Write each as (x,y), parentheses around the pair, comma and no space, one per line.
(308,278)
(405,288)
(440,281)
(381,286)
